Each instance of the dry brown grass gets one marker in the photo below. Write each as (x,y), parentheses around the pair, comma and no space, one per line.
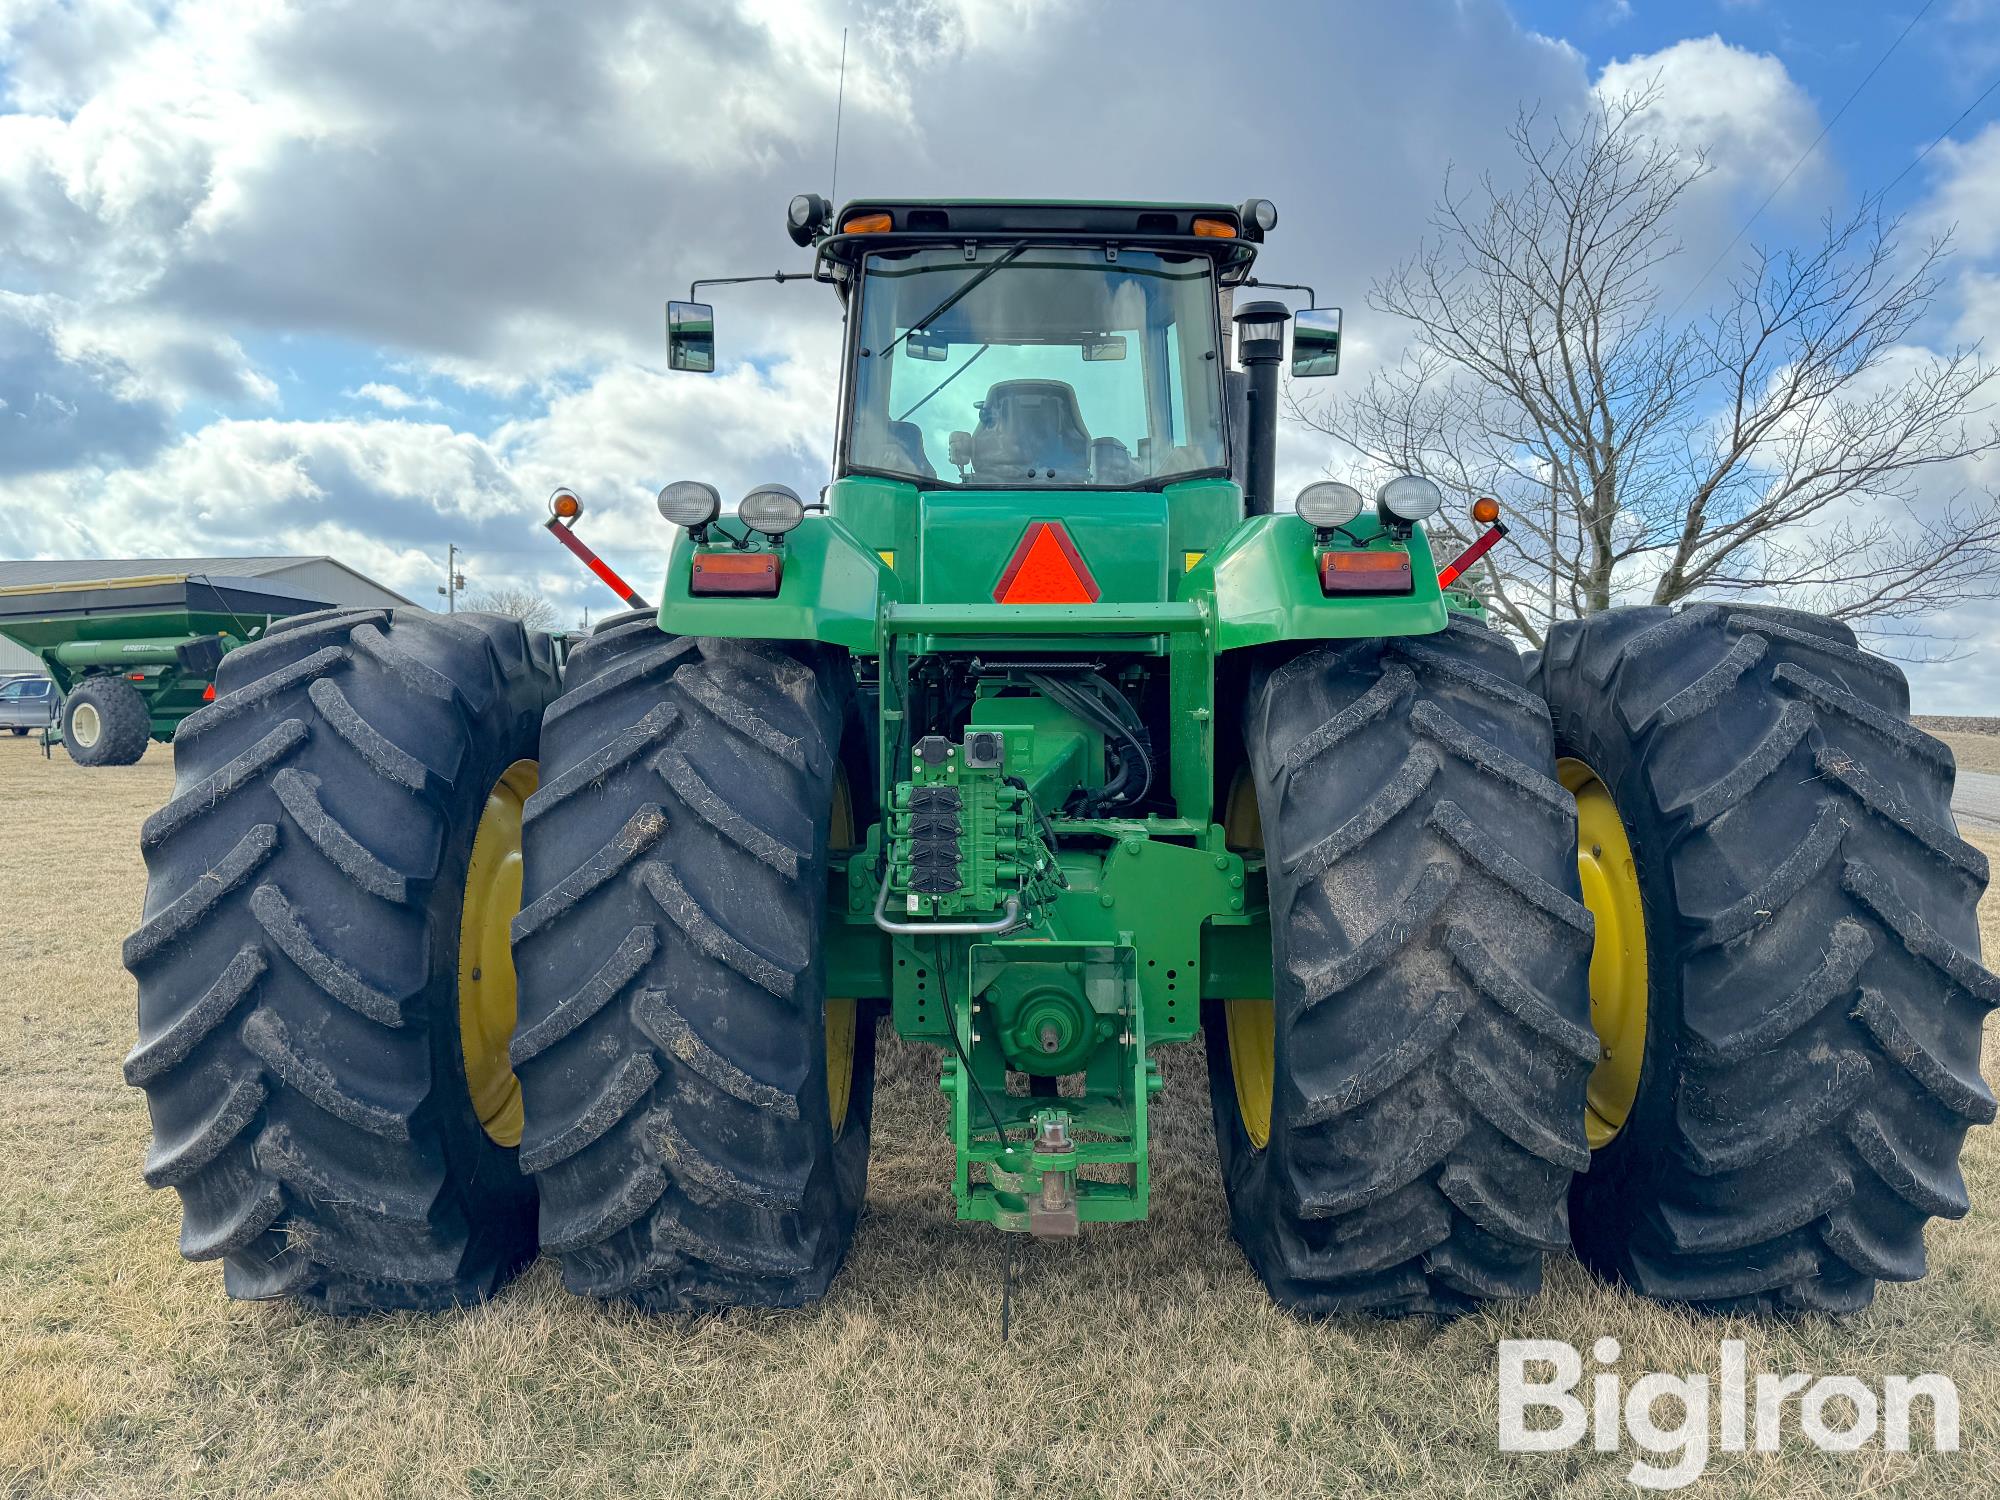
(1145,1359)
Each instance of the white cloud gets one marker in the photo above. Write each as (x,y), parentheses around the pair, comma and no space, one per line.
(386,495)
(394,397)
(1740,107)
(1966,198)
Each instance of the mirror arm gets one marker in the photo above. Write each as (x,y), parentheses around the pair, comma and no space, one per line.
(778,276)
(1312,297)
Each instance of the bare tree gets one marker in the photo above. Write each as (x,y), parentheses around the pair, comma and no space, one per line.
(1770,445)
(525,605)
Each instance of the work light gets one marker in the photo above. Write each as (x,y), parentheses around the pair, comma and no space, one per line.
(804,216)
(1261,213)
(1409,498)
(773,509)
(1328,503)
(690,503)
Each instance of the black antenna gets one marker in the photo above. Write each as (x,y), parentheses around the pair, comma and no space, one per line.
(839,108)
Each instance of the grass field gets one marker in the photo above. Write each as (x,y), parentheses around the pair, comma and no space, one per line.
(1975,752)
(1144,1359)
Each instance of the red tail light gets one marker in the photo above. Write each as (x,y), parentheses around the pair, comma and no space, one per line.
(1364,572)
(734,573)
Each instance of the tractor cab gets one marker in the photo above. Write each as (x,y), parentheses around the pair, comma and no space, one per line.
(1001,346)
(1038,405)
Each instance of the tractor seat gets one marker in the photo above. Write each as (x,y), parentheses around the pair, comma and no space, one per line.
(907,438)
(1027,427)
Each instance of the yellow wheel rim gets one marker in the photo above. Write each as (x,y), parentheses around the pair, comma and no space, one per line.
(1610,883)
(839,1012)
(485,958)
(84,725)
(1251,1025)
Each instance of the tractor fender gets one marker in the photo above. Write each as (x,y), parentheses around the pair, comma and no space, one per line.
(1265,587)
(831,587)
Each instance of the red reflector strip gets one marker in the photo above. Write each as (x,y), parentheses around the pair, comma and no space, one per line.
(136,676)
(1046,568)
(1481,545)
(595,563)
(1364,572)
(734,573)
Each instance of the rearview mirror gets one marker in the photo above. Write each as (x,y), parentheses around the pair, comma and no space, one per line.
(691,337)
(923,346)
(1316,342)
(1110,346)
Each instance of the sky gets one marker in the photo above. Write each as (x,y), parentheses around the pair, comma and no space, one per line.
(373,278)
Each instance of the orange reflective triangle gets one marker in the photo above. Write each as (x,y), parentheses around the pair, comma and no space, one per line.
(1046,568)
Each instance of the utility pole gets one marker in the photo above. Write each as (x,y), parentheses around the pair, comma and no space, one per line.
(454,581)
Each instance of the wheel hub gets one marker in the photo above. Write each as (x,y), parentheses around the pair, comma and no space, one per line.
(1618,981)
(486,993)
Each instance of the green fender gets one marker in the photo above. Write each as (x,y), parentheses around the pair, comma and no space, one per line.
(1264,586)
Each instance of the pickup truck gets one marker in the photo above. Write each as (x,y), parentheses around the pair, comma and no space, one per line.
(27,703)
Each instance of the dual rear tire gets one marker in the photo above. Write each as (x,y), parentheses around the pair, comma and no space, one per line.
(1762,1103)
(428,980)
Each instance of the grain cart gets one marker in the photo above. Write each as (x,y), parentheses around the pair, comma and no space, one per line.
(1044,735)
(132,657)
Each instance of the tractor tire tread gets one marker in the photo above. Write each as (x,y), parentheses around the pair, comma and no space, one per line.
(1430,948)
(1815,1064)
(670,1041)
(298,1023)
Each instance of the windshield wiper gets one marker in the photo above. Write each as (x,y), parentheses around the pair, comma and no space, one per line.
(952,301)
(970,362)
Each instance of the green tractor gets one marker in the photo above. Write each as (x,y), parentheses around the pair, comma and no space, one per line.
(1046,736)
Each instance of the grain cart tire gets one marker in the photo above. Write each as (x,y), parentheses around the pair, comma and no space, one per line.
(106,723)
(697,1109)
(322,1020)
(1411,1147)
(1809,987)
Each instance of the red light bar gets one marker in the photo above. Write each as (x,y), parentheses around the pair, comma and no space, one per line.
(562,533)
(734,573)
(1364,572)
(1481,545)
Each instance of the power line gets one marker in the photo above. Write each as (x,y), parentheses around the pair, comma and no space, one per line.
(1791,170)
(1942,135)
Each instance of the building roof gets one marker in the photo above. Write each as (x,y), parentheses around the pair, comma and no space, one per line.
(91,569)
